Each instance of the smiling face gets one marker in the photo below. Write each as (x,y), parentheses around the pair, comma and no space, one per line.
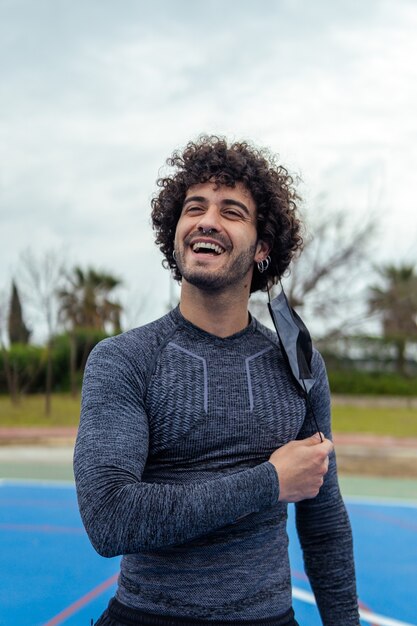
(216,241)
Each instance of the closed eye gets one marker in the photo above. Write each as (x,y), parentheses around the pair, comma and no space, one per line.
(194,209)
(234,214)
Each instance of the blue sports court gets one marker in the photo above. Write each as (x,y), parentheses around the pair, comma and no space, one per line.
(50,575)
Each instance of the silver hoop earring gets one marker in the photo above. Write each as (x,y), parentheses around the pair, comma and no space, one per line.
(174,256)
(264,264)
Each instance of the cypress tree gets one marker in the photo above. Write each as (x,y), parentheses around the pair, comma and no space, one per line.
(18,331)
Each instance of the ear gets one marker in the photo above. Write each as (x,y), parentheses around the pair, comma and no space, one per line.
(262,251)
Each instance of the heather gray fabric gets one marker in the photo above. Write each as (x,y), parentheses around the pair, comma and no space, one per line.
(172,472)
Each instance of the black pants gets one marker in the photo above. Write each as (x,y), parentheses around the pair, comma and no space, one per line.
(118,614)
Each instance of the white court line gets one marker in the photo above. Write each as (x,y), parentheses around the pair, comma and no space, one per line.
(366,616)
(376,501)
(35,482)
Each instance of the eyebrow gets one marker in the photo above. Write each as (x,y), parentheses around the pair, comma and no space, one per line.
(226,201)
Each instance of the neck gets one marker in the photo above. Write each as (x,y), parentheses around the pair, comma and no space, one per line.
(222,314)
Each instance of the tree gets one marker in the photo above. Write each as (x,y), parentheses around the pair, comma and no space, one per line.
(41,277)
(325,276)
(85,303)
(396,301)
(22,363)
(14,396)
(324,281)
(18,331)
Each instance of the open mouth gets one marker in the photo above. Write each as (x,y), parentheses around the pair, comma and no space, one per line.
(205,247)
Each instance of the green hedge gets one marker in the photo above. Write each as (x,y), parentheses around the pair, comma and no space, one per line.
(28,363)
(357,382)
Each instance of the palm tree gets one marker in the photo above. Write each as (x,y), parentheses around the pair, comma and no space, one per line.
(86,304)
(396,300)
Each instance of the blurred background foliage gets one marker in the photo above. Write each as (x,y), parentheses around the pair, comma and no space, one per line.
(362,318)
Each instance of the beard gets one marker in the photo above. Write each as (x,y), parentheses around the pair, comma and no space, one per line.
(217,280)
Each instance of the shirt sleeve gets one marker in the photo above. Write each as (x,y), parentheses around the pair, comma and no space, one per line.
(324,528)
(121,513)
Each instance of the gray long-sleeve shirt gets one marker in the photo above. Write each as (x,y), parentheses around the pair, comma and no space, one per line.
(171,471)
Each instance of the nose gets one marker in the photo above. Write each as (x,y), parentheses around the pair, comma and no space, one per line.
(210,220)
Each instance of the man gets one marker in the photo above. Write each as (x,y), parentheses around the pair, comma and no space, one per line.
(193,437)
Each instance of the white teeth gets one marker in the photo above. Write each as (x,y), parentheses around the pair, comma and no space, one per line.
(207,246)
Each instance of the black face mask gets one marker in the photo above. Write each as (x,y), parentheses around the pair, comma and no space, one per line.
(296,346)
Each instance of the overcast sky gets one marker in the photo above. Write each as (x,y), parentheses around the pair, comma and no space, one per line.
(95,95)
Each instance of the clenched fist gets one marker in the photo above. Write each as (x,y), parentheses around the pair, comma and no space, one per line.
(301,466)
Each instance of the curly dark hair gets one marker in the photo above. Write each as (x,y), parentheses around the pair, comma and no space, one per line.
(210,158)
